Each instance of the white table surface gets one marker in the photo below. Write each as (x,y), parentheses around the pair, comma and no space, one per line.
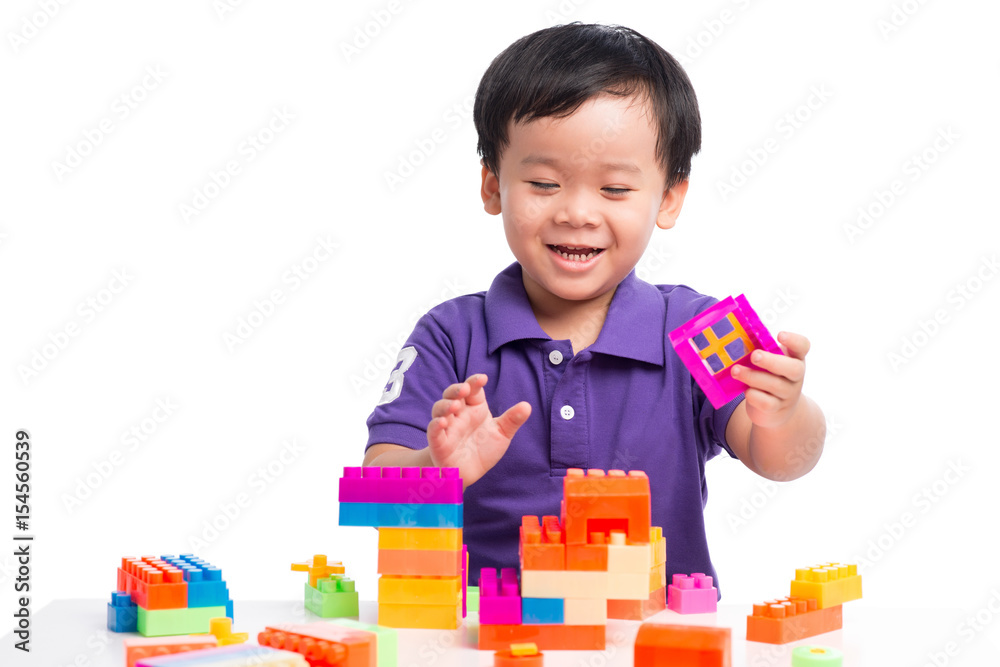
(74,633)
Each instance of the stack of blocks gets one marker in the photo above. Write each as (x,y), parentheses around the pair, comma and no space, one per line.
(328,592)
(814,606)
(170,595)
(601,549)
(221,634)
(421,560)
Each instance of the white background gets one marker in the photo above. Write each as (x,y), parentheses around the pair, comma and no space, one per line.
(840,100)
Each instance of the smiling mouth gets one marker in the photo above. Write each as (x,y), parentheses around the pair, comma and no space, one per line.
(576,253)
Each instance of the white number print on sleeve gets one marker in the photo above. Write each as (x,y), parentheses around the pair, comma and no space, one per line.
(403,361)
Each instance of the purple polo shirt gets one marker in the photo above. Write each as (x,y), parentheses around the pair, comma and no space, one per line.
(626,402)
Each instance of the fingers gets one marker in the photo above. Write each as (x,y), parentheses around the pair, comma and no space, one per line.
(775,385)
(791,368)
(795,345)
(513,419)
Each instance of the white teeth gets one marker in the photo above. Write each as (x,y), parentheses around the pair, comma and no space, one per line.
(576,258)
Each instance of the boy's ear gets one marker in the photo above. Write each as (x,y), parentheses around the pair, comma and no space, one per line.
(490,192)
(670,205)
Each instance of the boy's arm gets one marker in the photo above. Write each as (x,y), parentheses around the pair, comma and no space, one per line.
(777,431)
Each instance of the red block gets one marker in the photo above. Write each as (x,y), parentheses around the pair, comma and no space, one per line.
(153,583)
(323,644)
(555,637)
(659,644)
(790,619)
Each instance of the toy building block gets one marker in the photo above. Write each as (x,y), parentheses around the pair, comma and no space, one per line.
(222,629)
(657,545)
(565,584)
(790,619)
(639,610)
(410,539)
(599,502)
(229,656)
(657,576)
(590,556)
(542,611)
(830,584)
(139,648)
(324,644)
(400,485)
(179,621)
(394,589)
(422,562)
(541,544)
(692,595)
(716,340)
(153,583)
(555,637)
(334,596)
(519,655)
(624,557)
(401,515)
(682,646)
(387,641)
(585,611)
(816,656)
(472,599)
(499,601)
(465,577)
(205,587)
(319,568)
(123,613)
(426,616)
(628,585)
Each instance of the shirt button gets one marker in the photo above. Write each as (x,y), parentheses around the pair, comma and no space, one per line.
(555,356)
(567,412)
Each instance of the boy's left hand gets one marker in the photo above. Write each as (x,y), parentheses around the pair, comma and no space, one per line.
(773,392)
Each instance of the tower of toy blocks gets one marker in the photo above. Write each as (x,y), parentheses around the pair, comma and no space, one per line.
(421,558)
(173,595)
(328,592)
(599,553)
(716,340)
(814,606)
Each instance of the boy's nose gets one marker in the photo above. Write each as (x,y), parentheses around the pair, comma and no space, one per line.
(577,210)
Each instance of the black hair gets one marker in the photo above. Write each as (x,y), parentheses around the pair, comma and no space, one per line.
(553,71)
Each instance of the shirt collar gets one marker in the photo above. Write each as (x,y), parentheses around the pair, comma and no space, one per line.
(634,327)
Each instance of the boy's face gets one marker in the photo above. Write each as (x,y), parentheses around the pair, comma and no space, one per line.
(580,196)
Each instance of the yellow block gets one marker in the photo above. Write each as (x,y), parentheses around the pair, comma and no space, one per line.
(443,617)
(393,589)
(565,584)
(830,584)
(430,539)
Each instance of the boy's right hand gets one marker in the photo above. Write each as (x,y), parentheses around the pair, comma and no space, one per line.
(463,434)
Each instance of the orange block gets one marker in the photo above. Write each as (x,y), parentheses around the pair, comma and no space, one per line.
(138,648)
(790,619)
(638,610)
(420,562)
(319,568)
(541,544)
(595,502)
(555,637)
(682,646)
(152,583)
(324,644)
(590,556)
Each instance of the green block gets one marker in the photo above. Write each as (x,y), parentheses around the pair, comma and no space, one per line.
(472,599)
(181,621)
(816,656)
(386,639)
(334,597)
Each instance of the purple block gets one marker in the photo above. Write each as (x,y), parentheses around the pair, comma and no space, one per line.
(692,595)
(499,601)
(372,484)
(711,346)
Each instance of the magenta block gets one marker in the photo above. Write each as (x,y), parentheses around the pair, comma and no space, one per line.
(373,484)
(499,601)
(710,345)
(465,578)
(692,595)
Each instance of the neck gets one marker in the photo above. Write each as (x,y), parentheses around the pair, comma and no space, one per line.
(579,321)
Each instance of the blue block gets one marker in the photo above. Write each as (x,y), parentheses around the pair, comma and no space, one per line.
(205,585)
(401,515)
(123,614)
(542,611)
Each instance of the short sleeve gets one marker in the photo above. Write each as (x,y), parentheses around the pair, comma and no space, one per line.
(424,368)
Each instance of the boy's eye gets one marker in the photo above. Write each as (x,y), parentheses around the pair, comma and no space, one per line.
(617,191)
(538,185)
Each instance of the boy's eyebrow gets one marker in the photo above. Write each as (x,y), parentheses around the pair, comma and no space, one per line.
(606,166)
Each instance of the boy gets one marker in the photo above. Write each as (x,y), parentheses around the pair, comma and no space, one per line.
(586,134)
